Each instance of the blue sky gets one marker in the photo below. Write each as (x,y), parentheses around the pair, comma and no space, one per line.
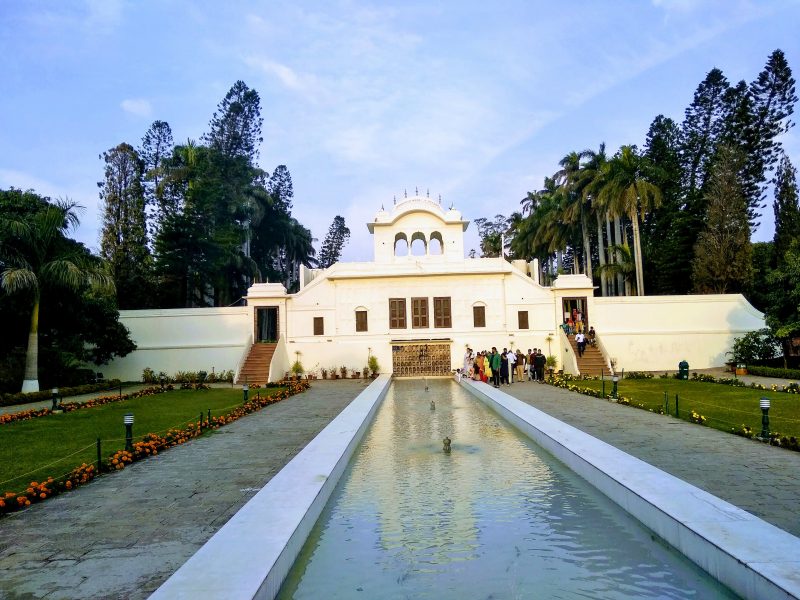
(475,101)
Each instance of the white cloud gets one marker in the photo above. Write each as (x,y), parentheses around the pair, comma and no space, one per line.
(137,106)
(290,78)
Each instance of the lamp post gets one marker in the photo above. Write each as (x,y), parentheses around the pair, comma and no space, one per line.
(615,381)
(764,403)
(128,420)
(244,393)
(55,398)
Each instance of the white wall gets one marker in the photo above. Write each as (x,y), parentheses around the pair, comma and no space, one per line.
(186,339)
(655,333)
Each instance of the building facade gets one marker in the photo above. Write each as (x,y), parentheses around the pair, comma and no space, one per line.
(420,303)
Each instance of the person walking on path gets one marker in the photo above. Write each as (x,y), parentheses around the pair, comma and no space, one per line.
(504,367)
(580,339)
(541,361)
(494,363)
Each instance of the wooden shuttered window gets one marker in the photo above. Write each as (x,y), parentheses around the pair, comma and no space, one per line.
(397,313)
(441,312)
(361,320)
(479,316)
(419,313)
(319,326)
(522,319)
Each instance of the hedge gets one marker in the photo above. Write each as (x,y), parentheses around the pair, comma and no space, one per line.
(20,398)
(774,372)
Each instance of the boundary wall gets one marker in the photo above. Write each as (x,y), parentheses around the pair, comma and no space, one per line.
(752,557)
(653,333)
(183,339)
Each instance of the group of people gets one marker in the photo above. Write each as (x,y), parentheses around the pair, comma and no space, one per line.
(504,367)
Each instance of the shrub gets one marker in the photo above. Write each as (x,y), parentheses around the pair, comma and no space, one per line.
(149,376)
(638,375)
(20,398)
(755,346)
(372,364)
(773,372)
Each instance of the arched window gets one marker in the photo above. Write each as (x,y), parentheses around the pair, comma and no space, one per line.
(479,314)
(436,244)
(418,245)
(400,245)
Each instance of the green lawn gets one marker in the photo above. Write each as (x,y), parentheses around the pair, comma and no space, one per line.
(724,406)
(55,444)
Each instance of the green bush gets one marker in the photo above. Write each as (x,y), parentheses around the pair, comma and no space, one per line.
(20,398)
(756,346)
(774,372)
(638,375)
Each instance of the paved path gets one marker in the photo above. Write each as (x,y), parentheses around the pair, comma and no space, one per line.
(122,535)
(761,479)
(127,388)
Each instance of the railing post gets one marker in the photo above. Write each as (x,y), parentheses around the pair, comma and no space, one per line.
(677,411)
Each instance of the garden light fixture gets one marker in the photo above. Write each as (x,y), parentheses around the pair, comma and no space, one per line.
(128,421)
(764,403)
(245,388)
(615,381)
(55,398)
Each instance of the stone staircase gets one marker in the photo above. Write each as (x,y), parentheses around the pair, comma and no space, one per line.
(256,365)
(592,362)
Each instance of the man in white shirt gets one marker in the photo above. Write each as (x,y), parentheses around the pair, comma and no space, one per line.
(580,339)
(511,362)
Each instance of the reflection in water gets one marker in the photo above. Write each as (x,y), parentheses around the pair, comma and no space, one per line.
(496,517)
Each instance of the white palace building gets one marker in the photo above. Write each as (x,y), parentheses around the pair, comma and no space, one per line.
(418,305)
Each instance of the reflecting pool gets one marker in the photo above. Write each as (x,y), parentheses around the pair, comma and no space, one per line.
(497,517)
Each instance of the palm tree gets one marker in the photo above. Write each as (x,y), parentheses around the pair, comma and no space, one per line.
(576,208)
(626,192)
(35,256)
(623,266)
(591,180)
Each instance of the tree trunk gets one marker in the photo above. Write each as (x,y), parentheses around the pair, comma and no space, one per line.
(612,259)
(619,240)
(559,262)
(637,249)
(587,252)
(31,382)
(601,254)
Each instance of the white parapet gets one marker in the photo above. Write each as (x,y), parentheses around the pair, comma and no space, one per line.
(253,552)
(752,557)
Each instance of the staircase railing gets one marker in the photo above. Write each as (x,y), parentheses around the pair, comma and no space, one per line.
(279,363)
(568,358)
(606,356)
(247,345)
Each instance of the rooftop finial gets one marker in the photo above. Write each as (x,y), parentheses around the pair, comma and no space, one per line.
(405,193)
(440,198)
(394,199)
(416,191)
(428,192)
(382,206)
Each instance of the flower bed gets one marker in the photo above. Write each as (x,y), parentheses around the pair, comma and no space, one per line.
(20,398)
(34,413)
(572,384)
(150,445)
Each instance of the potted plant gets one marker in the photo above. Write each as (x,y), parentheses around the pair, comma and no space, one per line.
(374,366)
(355,374)
(297,369)
(324,373)
(343,371)
(551,363)
(334,374)
(366,371)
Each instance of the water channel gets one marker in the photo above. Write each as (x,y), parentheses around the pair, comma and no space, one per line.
(497,517)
